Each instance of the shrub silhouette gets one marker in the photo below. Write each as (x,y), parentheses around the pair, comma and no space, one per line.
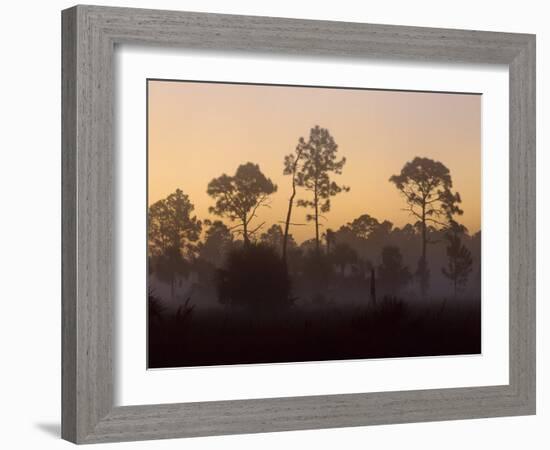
(393,274)
(317,269)
(254,277)
(391,309)
(155,308)
(342,255)
(383,318)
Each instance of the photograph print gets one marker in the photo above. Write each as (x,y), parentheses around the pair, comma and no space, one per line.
(302,223)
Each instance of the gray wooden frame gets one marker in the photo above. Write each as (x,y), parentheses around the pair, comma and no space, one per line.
(89,36)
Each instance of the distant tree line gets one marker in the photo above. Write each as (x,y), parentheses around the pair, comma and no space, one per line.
(174,232)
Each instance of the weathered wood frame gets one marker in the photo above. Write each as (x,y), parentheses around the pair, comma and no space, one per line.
(89,36)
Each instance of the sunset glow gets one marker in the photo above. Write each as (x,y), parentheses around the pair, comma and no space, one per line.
(197,131)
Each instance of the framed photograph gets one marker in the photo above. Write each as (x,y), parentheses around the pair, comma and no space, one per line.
(278,224)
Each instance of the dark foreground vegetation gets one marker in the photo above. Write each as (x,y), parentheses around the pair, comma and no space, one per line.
(388,330)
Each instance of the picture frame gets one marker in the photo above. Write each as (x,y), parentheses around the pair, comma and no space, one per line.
(89,37)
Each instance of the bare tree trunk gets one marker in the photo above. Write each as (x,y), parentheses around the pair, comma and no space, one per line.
(288,214)
(290,203)
(423,267)
(423,241)
(316,202)
(245,233)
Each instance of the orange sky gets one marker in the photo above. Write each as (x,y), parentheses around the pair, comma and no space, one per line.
(197,131)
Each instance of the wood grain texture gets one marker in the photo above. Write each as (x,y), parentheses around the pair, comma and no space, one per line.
(523,224)
(89,37)
(68,226)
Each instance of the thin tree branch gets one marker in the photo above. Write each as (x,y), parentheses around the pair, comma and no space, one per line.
(294,224)
(257,228)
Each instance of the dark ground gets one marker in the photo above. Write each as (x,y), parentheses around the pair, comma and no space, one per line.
(390,329)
